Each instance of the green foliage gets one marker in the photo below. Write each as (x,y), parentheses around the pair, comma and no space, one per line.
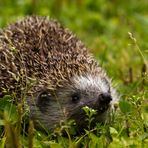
(89,113)
(116,32)
(125,107)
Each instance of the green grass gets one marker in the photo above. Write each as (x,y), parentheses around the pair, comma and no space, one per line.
(116,33)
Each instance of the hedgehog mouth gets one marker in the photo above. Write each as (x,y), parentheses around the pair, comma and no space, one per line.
(79,111)
(102,109)
(80,116)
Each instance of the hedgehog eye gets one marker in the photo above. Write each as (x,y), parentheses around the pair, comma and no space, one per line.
(75,98)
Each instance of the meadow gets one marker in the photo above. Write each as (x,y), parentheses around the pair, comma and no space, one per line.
(116,32)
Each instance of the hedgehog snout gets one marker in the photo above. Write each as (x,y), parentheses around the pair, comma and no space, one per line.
(105,98)
(103,102)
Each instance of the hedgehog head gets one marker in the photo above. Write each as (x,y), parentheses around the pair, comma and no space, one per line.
(67,102)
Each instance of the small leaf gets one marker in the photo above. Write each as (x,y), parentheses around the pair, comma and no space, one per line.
(125,106)
(5,101)
(113,131)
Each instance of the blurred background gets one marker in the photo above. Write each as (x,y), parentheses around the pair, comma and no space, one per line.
(116,31)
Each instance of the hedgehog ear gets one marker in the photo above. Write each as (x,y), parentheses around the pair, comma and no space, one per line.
(43,100)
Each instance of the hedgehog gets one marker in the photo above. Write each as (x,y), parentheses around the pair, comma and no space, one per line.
(48,67)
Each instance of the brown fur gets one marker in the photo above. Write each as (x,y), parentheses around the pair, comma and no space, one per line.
(41,50)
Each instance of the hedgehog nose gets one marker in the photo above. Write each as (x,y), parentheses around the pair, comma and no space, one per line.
(105,98)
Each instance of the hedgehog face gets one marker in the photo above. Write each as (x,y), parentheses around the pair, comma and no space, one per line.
(67,103)
(92,91)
